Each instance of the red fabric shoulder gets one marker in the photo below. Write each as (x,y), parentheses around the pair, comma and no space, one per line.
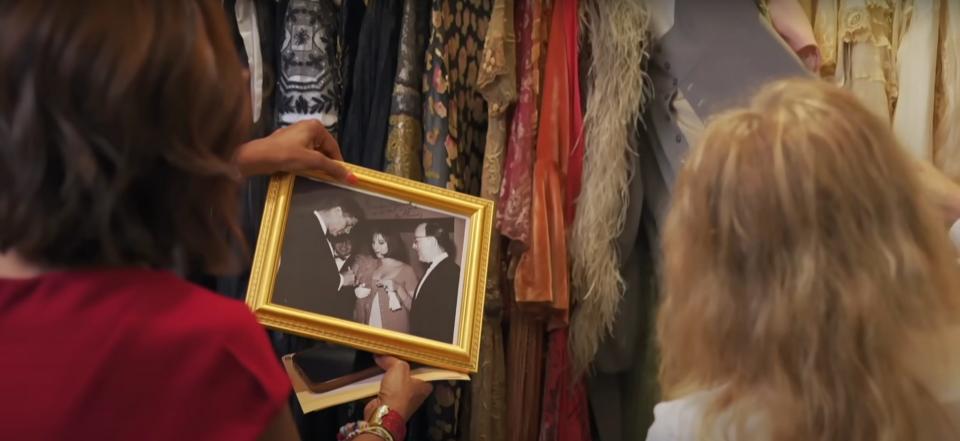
(132,354)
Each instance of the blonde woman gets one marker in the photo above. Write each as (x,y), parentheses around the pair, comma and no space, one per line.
(810,292)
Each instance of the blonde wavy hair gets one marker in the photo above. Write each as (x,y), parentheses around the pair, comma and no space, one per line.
(800,266)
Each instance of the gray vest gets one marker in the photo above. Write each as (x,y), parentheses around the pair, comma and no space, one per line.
(717,54)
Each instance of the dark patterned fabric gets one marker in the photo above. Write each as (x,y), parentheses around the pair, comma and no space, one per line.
(364,137)
(309,81)
(453,105)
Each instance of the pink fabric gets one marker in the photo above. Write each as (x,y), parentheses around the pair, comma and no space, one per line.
(513,212)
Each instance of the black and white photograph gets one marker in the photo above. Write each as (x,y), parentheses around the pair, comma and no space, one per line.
(372,259)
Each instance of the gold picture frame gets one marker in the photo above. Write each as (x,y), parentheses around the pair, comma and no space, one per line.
(476,215)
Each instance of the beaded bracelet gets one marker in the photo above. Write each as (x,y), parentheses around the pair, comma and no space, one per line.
(350,431)
(375,430)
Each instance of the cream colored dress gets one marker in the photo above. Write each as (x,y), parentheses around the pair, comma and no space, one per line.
(858,42)
(887,53)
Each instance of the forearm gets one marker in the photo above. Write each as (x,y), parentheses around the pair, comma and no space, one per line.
(251,159)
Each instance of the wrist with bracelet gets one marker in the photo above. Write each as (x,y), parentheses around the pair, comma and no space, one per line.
(385,423)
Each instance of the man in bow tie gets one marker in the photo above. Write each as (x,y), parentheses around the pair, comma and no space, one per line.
(309,277)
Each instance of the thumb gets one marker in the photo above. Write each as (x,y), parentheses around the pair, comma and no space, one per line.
(387,363)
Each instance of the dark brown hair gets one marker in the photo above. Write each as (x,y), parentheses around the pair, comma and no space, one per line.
(396,249)
(434,229)
(118,123)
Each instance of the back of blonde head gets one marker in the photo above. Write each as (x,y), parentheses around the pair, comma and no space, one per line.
(800,263)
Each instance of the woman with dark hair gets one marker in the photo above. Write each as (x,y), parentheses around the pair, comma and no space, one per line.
(121,145)
(385,294)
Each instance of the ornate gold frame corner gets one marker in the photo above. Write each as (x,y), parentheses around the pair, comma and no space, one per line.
(461,357)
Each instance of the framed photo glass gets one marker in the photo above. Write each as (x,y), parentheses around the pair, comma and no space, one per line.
(389,265)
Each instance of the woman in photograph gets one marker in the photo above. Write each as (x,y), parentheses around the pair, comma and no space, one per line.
(385,294)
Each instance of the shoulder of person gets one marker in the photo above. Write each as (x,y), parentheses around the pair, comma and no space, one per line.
(679,419)
(451,262)
(159,308)
(227,354)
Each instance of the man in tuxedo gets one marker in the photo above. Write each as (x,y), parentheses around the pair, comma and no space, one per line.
(434,310)
(309,277)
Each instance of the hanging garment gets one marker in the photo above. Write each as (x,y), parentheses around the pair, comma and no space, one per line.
(308,83)
(565,411)
(695,73)
(947,142)
(542,278)
(858,41)
(350,23)
(617,91)
(917,61)
(455,159)
(488,386)
(525,383)
(405,136)
(364,138)
(497,82)
(513,213)
(566,416)
(249,30)
(439,147)
(623,376)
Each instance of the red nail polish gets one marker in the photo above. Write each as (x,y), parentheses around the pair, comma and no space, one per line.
(352,179)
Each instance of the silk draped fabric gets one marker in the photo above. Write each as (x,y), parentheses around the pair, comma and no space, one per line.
(513,212)
(542,278)
(525,358)
(556,183)
(565,409)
